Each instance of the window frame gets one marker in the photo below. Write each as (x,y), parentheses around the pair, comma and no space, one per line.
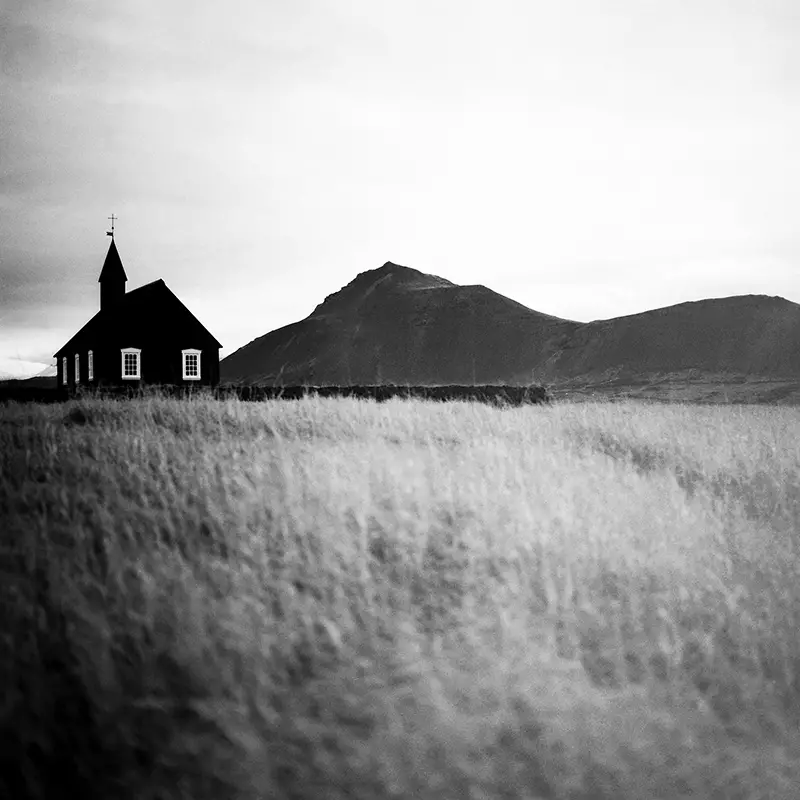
(77,368)
(64,374)
(135,351)
(190,351)
(90,365)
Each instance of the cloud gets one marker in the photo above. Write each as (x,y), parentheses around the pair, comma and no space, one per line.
(20,368)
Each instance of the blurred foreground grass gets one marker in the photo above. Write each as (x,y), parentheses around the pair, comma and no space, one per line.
(343,599)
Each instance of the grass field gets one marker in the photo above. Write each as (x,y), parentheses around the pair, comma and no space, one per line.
(344,599)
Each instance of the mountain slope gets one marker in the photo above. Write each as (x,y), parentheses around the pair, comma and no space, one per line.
(398,325)
(743,335)
(36,382)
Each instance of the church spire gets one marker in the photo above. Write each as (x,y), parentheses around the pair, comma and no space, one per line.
(112,278)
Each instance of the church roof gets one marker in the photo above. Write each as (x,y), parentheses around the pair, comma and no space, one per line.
(151,314)
(112,266)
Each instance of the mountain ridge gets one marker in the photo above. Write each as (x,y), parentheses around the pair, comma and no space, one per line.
(395,324)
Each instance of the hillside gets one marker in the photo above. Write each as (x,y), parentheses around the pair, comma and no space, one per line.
(750,334)
(398,325)
(36,382)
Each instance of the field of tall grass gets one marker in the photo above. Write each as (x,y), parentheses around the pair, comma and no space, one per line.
(344,599)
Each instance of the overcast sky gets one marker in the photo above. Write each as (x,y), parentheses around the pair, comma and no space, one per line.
(588,158)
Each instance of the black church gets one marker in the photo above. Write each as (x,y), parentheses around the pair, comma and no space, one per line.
(145,336)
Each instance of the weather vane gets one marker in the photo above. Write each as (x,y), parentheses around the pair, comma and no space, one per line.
(111,232)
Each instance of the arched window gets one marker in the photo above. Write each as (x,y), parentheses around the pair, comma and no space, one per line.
(77,369)
(90,364)
(131,363)
(191,365)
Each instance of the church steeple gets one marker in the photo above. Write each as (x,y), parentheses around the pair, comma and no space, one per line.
(112,279)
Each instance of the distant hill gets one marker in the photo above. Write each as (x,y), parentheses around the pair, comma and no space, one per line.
(398,325)
(26,390)
(749,334)
(36,382)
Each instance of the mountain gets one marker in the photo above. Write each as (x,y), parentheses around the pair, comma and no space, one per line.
(398,325)
(395,324)
(753,335)
(36,382)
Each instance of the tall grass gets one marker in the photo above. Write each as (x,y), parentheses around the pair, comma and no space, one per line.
(337,598)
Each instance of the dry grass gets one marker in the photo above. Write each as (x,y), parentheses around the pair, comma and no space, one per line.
(337,599)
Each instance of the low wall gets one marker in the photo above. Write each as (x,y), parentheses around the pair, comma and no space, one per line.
(497,395)
(500,395)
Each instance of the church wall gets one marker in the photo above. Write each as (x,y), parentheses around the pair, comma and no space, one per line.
(160,364)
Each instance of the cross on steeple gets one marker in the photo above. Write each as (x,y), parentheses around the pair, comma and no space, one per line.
(111,232)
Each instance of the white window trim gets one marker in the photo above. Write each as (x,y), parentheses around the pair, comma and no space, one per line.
(137,351)
(77,368)
(90,364)
(64,376)
(191,352)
